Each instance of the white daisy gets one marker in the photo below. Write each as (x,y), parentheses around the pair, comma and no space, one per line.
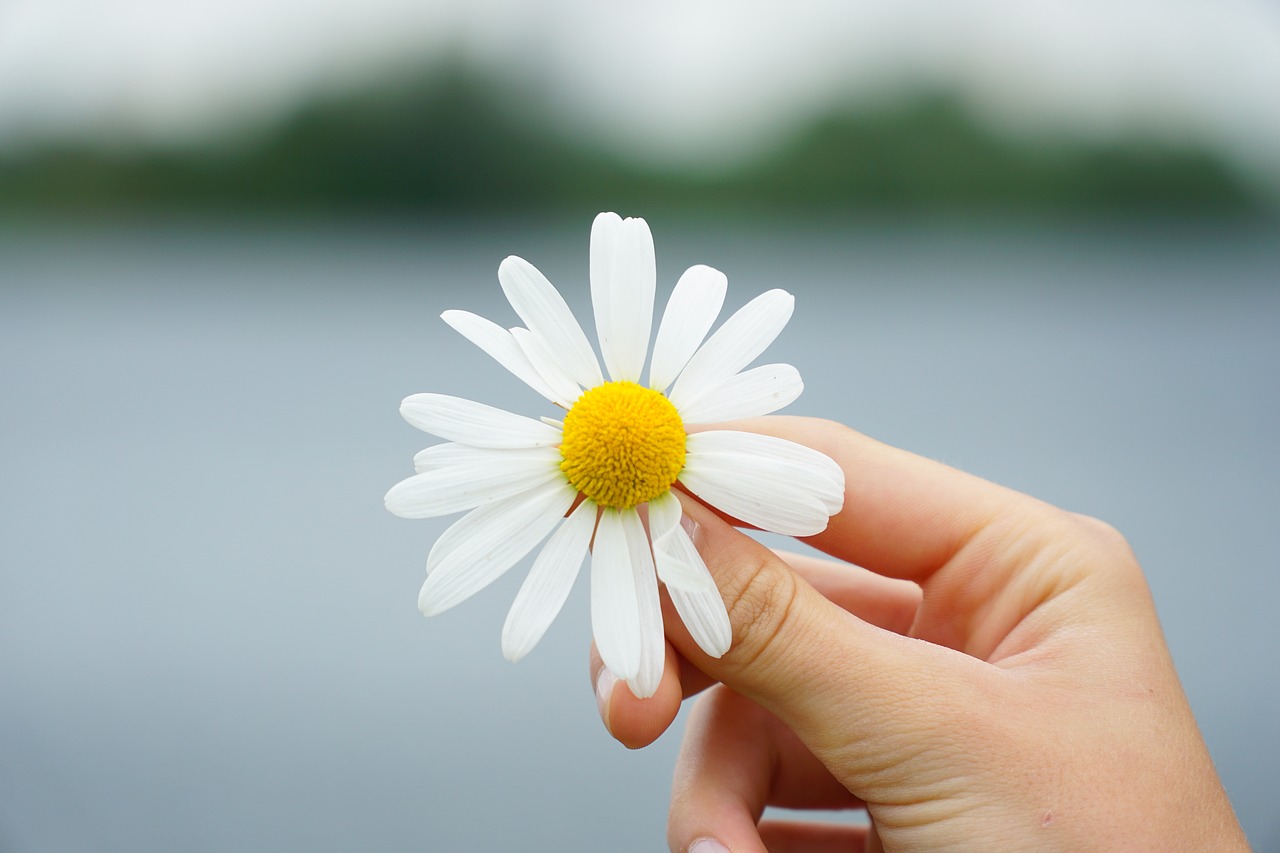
(622,446)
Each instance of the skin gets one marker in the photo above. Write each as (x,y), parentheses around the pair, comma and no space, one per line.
(994,677)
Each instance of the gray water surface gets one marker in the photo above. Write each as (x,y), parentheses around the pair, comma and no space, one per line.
(209,638)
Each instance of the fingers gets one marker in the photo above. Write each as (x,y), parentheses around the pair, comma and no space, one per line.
(904,516)
(637,722)
(796,652)
(736,759)
(984,555)
(885,602)
(810,662)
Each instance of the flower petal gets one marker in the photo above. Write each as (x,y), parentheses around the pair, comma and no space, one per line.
(475,424)
(653,643)
(758,501)
(545,312)
(449,453)
(774,484)
(623,279)
(544,361)
(810,469)
(545,589)
(703,612)
(468,484)
(691,311)
(689,582)
(615,612)
(734,345)
(677,567)
(484,543)
(751,393)
(502,346)
(605,232)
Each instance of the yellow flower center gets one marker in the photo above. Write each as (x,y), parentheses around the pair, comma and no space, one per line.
(623,444)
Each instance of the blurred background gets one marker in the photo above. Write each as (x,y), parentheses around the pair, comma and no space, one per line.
(1039,241)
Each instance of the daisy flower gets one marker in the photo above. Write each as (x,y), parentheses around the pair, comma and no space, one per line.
(621,447)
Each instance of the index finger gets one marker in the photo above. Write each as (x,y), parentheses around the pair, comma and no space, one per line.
(904,516)
(880,601)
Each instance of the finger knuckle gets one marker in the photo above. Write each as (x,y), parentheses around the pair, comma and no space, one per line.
(760,608)
(1102,535)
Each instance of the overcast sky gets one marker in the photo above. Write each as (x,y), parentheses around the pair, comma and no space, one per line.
(665,79)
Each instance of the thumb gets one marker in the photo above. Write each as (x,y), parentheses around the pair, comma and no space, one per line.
(857,695)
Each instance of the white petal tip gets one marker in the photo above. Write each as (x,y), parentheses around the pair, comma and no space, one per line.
(427,605)
(514,646)
(641,691)
(395,505)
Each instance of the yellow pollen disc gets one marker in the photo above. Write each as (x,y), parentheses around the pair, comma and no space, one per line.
(623,444)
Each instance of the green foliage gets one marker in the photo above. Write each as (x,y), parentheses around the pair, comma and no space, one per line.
(930,155)
(447,142)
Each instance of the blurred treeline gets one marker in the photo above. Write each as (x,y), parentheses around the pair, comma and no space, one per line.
(446,141)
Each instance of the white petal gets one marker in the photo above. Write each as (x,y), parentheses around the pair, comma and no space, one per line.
(624,276)
(502,346)
(475,424)
(678,562)
(748,394)
(466,485)
(653,644)
(691,311)
(689,582)
(766,504)
(449,453)
(535,349)
(809,469)
(605,231)
(664,515)
(734,345)
(702,611)
(544,311)
(545,589)
(773,484)
(484,543)
(615,612)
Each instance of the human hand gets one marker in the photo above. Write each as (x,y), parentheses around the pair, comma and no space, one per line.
(994,678)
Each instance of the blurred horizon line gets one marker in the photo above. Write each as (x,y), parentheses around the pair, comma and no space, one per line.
(447,135)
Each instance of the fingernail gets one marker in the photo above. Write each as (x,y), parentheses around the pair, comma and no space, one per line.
(691,527)
(707,845)
(605,682)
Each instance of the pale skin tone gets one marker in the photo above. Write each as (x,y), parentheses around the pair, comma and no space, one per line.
(993,677)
